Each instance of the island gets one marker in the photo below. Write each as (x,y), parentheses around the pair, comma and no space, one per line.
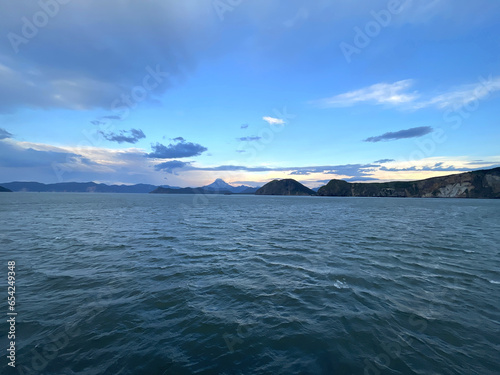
(4,190)
(284,187)
(476,184)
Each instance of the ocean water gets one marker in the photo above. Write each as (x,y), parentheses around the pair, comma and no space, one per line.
(163,284)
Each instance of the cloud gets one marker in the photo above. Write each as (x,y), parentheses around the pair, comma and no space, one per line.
(437,167)
(244,126)
(169,166)
(25,161)
(300,173)
(273,120)
(382,161)
(380,93)
(407,133)
(182,149)
(463,94)
(4,134)
(132,136)
(14,155)
(83,70)
(249,139)
(352,170)
(356,179)
(179,139)
(398,94)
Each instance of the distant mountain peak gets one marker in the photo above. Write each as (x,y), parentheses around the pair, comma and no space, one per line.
(220,184)
(217,184)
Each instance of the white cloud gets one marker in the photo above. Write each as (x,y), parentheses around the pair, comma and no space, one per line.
(398,94)
(464,94)
(273,120)
(380,93)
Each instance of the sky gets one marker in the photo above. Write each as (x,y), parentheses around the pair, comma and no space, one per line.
(183,92)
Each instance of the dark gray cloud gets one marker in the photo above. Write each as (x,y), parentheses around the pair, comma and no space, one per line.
(401,134)
(170,166)
(131,136)
(13,156)
(85,70)
(249,139)
(357,179)
(381,161)
(181,149)
(357,171)
(300,173)
(485,164)
(437,167)
(4,134)
(18,163)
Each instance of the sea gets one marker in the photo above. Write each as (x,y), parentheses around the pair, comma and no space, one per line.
(227,284)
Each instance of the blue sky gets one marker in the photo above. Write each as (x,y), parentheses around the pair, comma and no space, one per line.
(183,92)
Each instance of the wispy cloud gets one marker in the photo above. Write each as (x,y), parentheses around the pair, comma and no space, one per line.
(399,94)
(244,126)
(182,149)
(4,134)
(273,120)
(380,93)
(249,139)
(131,136)
(382,161)
(462,95)
(401,134)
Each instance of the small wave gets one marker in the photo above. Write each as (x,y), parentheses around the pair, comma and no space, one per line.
(340,284)
(494,281)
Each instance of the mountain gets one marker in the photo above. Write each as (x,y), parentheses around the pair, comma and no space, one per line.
(284,187)
(476,184)
(4,190)
(78,187)
(221,185)
(250,190)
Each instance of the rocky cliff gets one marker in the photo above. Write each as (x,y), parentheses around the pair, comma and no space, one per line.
(476,184)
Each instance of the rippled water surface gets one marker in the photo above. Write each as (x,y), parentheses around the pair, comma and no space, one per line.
(163,284)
